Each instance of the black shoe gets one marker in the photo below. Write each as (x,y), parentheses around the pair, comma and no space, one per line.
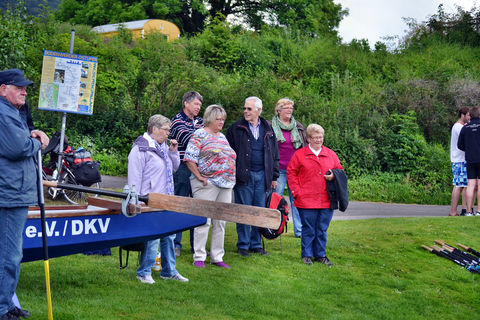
(243,252)
(260,251)
(323,260)
(307,260)
(8,316)
(17,312)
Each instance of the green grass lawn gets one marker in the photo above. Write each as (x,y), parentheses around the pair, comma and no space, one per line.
(380,272)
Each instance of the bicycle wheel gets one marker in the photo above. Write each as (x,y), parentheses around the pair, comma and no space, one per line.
(76,197)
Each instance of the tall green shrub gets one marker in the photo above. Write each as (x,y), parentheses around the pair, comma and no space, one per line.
(403,146)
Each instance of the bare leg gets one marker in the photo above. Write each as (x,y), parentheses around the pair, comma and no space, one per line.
(477,194)
(464,199)
(470,193)
(455,197)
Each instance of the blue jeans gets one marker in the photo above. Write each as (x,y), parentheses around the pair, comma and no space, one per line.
(282,182)
(315,224)
(149,254)
(12,224)
(252,194)
(181,179)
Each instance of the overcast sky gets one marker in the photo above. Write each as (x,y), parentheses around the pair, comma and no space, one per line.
(374,19)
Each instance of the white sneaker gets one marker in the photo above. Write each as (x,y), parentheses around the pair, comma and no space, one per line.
(469,214)
(146,279)
(177,277)
(476,213)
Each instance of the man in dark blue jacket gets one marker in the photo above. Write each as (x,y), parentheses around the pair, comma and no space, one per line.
(469,141)
(257,169)
(18,181)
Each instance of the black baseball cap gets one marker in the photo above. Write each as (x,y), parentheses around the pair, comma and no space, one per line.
(15,77)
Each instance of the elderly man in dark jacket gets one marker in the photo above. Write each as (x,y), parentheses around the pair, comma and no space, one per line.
(257,169)
(18,182)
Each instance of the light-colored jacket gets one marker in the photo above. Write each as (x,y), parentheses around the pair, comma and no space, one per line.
(18,177)
(147,170)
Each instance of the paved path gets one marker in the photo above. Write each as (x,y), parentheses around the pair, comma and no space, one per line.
(369,210)
(356,209)
(111,182)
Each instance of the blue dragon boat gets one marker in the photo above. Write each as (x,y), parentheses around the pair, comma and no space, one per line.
(77,229)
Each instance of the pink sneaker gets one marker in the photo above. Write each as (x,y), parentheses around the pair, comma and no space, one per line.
(199,264)
(221,264)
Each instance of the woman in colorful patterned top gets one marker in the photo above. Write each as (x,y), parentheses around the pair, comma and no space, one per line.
(212,163)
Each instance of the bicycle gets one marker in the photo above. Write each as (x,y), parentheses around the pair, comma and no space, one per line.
(66,174)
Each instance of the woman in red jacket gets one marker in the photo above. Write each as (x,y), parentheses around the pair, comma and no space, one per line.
(307,173)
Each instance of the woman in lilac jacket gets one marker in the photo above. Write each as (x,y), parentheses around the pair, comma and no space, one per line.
(151,164)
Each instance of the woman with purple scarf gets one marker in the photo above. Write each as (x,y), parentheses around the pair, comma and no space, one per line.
(151,164)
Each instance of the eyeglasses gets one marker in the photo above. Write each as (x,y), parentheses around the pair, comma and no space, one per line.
(167,130)
(287,108)
(220,119)
(245,108)
(316,138)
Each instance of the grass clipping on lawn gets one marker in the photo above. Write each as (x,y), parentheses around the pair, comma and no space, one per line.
(380,272)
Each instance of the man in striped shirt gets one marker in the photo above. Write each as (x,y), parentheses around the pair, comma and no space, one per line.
(183,126)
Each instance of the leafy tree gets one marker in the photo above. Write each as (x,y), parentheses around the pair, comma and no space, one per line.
(15,27)
(33,7)
(462,27)
(215,46)
(188,15)
(403,146)
(311,17)
(98,12)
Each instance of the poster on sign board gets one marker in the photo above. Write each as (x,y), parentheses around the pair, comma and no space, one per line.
(68,82)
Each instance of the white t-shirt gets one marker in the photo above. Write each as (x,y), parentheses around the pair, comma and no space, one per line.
(456,155)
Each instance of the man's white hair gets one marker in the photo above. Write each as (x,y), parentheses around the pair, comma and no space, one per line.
(258,102)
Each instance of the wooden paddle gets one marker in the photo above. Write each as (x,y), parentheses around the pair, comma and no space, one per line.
(255,216)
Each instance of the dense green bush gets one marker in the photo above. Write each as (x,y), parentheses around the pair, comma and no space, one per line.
(402,148)
(396,188)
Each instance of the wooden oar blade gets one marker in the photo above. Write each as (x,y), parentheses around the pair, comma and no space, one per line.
(255,216)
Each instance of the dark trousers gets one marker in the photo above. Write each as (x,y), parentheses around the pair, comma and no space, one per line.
(181,179)
(315,223)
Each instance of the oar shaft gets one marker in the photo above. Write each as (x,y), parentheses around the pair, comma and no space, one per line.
(468,249)
(103,192)
(461,254)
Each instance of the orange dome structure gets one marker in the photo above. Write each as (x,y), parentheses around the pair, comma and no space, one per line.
(140,28)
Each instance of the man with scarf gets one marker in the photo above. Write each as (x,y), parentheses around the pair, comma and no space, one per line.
(290,136)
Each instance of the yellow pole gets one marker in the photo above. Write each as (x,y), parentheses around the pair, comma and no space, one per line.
(46,264)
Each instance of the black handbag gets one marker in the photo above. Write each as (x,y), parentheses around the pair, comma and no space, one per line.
(87,173)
